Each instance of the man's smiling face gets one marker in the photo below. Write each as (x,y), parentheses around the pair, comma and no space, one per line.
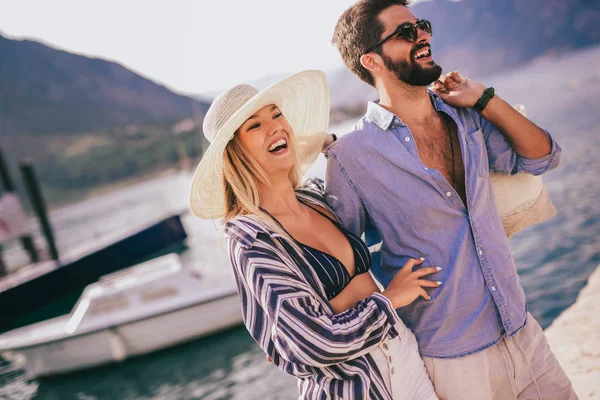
(410,62)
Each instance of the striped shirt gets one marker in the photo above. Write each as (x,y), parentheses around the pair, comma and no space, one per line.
(286,311)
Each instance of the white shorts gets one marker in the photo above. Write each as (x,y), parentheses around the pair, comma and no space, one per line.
(403,368)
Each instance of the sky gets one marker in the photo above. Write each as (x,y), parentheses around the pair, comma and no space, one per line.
(192,47)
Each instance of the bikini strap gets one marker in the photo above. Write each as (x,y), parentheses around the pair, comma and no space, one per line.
(323,214)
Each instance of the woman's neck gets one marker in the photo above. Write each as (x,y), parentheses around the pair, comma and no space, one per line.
(279,198)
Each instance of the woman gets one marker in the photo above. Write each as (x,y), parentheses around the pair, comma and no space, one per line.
(307,298)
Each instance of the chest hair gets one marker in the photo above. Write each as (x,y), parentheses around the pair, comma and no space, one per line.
(436,140)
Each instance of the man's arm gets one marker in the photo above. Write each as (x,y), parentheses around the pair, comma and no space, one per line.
(342,196)
(514,143)
(526,138)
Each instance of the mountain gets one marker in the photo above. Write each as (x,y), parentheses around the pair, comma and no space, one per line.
(44,90)
(480,38)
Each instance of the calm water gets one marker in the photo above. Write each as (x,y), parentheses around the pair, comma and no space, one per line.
(554,258)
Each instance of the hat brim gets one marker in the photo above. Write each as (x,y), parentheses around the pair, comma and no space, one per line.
(303,99)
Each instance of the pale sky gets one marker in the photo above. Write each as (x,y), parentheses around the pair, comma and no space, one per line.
(190,46)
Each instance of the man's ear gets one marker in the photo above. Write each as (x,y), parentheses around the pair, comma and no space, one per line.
(369,62)
(366,60)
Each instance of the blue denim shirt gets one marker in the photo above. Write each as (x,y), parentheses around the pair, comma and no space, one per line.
(375,177)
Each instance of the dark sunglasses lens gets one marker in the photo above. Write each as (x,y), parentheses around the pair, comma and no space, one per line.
(425,26)
(408,32)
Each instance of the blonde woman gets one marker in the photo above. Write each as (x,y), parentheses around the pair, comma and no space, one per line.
(307,297)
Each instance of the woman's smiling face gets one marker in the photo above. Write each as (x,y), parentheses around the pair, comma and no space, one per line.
(267,137)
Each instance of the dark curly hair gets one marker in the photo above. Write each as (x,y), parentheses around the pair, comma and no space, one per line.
(357,29)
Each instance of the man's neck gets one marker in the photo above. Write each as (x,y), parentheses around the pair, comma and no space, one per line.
(409,103)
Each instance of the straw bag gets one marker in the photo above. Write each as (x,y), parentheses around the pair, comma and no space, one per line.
(521,200)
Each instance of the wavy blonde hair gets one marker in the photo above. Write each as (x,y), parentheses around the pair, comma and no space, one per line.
(241,178)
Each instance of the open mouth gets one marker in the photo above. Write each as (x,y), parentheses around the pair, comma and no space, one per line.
(423,53)
(278,147)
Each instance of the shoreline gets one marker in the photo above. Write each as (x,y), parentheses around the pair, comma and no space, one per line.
(110,188)
(574,337)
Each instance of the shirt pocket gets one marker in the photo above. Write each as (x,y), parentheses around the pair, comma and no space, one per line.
(477,154)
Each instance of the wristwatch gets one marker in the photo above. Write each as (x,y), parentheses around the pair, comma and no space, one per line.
(484,99)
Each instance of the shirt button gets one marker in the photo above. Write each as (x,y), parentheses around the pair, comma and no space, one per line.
(480,252)
(448,194)
(493,288)
(407,139)
(397,120)
(390,357)
(385,346)
(426,169)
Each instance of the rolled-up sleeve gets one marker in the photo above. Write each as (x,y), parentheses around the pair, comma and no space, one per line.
(302,331)
(502,157)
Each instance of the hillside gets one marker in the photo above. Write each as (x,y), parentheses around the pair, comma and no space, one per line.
(87,122)
(45,90)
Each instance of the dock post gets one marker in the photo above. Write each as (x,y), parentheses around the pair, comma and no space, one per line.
(37,201)
(3,270)
(27,240)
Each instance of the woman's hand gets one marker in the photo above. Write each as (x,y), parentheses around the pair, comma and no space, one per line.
(328,140)
(407,285)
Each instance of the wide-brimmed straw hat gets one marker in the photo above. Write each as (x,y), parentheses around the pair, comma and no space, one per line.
(302,98)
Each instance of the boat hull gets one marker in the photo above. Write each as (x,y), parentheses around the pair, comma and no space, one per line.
(64,282)
(131,339)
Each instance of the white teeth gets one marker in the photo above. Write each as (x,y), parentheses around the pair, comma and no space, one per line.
(422,53)
(280,142)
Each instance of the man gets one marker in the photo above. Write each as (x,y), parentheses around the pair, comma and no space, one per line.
(417,168)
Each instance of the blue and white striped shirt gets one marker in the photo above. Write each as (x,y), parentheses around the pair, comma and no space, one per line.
(286,311)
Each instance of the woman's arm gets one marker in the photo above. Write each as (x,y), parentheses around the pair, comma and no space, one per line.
(360,287)
(406,286)
(303,331)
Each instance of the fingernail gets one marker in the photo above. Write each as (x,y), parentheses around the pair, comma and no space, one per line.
(429,298)
(438,268)
(439,283)
(422,258)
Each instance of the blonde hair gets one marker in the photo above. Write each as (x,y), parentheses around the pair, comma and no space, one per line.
(241,177)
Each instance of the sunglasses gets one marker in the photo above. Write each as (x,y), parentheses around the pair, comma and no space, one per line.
(407,31)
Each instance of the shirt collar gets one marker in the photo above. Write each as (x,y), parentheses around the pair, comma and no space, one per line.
(384,118)
(246,229)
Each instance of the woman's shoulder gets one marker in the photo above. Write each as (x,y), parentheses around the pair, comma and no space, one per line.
(314,188)
(244,229)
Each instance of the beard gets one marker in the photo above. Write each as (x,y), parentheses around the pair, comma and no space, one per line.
(412,73)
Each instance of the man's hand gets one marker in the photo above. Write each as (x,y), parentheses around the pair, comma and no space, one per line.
(457,90)
(526,139)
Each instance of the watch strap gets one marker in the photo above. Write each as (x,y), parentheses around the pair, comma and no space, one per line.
(484,99)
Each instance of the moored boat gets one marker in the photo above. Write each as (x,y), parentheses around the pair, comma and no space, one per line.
(135,311)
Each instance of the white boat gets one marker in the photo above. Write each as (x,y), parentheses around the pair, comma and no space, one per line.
(131,312)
